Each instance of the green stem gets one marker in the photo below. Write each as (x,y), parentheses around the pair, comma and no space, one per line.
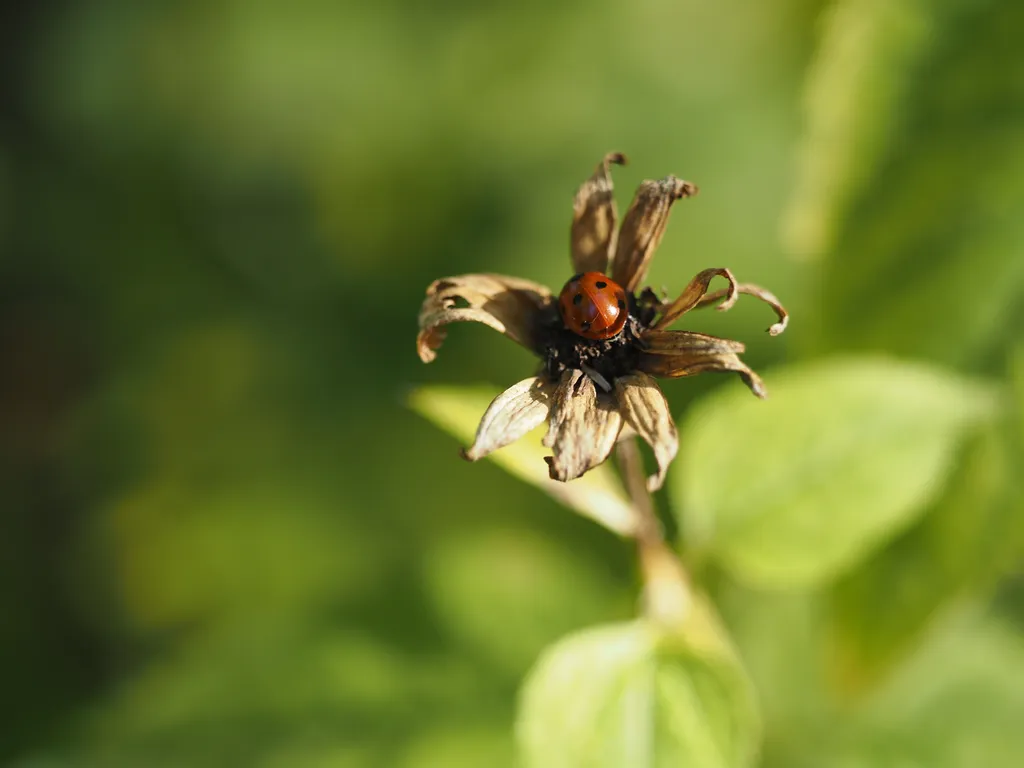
(666,591)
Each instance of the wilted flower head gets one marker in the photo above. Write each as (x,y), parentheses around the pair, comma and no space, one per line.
(594,391)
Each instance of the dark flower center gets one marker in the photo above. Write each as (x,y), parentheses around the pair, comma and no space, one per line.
(610,358)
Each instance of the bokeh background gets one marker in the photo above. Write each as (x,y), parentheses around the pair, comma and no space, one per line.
(225,539)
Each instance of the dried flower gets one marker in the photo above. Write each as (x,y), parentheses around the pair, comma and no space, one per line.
(594,392)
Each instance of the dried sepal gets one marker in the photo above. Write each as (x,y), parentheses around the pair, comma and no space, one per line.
(643,227)
(645,409)
(694,292)
(693,353)
(509,305)
(758,292)
(594,217)
(512,414)
(582,427)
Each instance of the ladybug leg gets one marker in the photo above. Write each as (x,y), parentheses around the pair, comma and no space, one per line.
(596,377)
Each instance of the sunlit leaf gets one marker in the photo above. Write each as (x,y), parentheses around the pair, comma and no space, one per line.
(845,452)
(636,694)
(597,495)
(971,537)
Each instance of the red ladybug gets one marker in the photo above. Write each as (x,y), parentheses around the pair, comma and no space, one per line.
(593,306)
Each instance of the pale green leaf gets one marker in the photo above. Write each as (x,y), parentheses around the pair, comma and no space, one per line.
(957,704)
(846,452)
(639,695)
(969,538)
(780,638)
(597,495)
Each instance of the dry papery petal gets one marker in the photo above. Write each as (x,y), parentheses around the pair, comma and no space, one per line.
(509,305)
(694,292)
(683,342)
(758,292)
(511,415)
(644,408)
(582,427)
(594,218)
(643,227)
(682,353)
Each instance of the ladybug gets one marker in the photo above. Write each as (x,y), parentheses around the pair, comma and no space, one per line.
(593,306)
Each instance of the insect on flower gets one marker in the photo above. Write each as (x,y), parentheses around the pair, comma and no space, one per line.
(600,342)
(592,306)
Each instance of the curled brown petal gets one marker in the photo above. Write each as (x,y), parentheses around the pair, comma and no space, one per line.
(592,236)
(696,353)
(643,227)
(509,305)
(511,415)
(676,342)
(694,292)
(758,292)
(645,409)
(582,427)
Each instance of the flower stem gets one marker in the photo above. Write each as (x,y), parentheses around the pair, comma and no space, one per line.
(666,592)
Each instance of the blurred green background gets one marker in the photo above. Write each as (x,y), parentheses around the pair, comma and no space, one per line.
(224,537)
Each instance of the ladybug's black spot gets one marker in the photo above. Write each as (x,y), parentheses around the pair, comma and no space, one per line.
(585,325)
(577,299)
(622,304)
(601,284)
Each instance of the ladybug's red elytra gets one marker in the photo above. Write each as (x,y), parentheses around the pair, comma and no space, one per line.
(593,306)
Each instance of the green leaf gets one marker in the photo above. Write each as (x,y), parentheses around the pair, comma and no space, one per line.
(259,547)
(780,638)
(792,491)
(919,222)
(854,90)
(1017,396)
(969,539)
(637,694)
(597,495)
(534,592)
(958,703)
(459,745)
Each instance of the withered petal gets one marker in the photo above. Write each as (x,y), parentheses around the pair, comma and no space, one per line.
(509,305)
(758,292)
(645,409)
(691,353)
(643,227)
(582,427)
(675,342)
(594,217)
(694,292)
(511,415)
